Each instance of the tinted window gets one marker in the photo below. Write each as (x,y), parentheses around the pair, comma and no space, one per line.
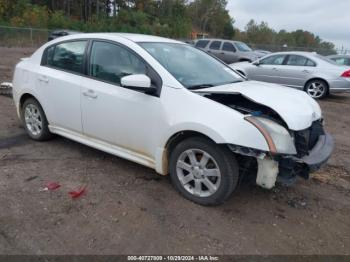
(202,43)
(49,55)
(273,60)
(67,56)
(111,62)
(215,45)
(228,47)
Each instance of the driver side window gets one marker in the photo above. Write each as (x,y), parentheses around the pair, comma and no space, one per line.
(110,62)
(273,60)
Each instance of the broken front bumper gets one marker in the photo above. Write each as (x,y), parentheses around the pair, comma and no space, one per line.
(290,167)
(321,152)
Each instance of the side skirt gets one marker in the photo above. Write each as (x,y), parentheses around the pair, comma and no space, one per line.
(104,146)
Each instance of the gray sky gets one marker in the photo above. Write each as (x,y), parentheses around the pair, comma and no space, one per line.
(329,19)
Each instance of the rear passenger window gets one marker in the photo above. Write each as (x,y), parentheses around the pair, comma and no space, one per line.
(297,60)
(228,47)
(202,43)
(215,45)
(67,56)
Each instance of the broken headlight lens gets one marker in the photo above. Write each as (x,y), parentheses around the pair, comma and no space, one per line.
(277,137)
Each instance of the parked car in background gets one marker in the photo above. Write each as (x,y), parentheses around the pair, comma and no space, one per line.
(61,32)
(340,59)
(262,52)
(227,50)
(313,73)
(120,93)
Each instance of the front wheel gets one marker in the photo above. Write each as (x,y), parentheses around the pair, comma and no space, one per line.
(317,88)
(202,171)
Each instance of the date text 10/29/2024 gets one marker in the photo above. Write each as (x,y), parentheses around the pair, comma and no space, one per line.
(173,258)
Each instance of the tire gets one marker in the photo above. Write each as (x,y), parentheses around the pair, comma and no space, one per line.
(34,120)
(209,182)
(317,88)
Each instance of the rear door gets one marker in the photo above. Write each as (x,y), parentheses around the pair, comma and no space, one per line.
(296,70)
(228,53)
(214,48)
(268,70)
(59,82)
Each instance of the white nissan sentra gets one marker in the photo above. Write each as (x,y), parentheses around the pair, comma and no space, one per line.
(169,106)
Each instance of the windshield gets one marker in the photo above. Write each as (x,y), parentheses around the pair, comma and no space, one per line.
(243,47)
(193,68)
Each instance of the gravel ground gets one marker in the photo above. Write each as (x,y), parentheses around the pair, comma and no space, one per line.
(129,209)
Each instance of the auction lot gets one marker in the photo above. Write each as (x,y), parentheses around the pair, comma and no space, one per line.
(129,209)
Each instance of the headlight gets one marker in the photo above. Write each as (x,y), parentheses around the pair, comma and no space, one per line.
(277,137)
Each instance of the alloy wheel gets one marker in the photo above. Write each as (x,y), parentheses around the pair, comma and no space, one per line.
(316,89)
(198,172)
(33,119)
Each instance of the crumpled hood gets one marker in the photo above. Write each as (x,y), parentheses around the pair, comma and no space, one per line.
(295,107)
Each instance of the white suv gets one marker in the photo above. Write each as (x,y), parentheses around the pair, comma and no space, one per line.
(171,107)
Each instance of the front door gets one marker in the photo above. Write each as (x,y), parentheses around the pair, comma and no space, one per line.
(119,116)
(268,70)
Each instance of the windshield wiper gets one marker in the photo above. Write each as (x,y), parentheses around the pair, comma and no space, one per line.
(194,87)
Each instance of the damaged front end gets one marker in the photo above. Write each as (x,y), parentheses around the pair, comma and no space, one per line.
(291,153)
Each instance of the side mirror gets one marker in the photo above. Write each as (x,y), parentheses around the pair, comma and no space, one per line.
(256,63)
(138,82)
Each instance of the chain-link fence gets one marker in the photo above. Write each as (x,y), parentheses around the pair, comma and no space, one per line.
(33,37)
(22,37)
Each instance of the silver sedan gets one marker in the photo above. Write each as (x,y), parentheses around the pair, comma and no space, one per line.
(313,73)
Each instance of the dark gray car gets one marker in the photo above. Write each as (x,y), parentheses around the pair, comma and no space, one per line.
(228,51)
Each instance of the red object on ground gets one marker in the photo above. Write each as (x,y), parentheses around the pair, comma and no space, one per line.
(77,193)
(52,186)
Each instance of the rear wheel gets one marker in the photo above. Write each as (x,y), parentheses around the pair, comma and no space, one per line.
(34,120)
(202,171)
(317,88)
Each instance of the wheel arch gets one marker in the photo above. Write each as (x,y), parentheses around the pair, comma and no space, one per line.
(173,141)
(22,98)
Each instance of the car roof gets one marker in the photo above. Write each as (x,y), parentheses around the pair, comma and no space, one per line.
(132,37)
(296,53)
(218,39)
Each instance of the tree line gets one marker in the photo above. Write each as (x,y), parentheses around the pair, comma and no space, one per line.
(170,18)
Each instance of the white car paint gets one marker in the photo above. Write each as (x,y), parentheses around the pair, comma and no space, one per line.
(297,117)
(138,126)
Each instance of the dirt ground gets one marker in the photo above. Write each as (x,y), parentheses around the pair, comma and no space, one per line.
(129,209)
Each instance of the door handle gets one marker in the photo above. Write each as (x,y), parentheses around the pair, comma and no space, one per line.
(306,71)
(43,79)
(275,69)
(90,93)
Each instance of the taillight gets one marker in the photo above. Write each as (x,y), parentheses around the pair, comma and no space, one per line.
(346,74)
